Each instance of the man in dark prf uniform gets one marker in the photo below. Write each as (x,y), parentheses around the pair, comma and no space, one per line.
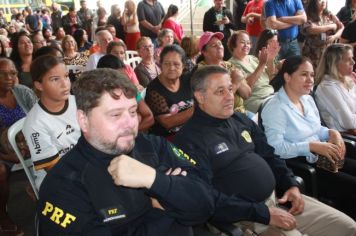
(233,155)
(114,183)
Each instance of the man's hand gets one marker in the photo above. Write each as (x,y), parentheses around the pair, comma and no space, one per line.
(225,20)
(129,172)
(156,29)
(281,218)
(293,195)
(176,171)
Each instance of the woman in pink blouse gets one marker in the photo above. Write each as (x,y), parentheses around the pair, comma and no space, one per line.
(170,22)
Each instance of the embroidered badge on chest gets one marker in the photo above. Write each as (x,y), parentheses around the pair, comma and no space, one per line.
(112,213)
(220,148)
(246,136)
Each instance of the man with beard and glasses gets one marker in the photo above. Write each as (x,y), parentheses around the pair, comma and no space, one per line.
(116,181)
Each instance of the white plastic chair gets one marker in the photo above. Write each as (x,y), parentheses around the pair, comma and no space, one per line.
(133,62)
(131,54)
(75,68)
(11,134)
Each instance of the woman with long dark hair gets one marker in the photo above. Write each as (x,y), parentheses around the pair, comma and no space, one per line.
(21,55)
(321,30)
(170,22)
(81,38)
(292,125)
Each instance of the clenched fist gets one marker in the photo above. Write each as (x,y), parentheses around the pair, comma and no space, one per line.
(129,172)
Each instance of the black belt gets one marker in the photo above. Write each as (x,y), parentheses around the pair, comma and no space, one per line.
(287,40)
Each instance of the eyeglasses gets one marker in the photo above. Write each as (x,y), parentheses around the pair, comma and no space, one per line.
(175,64)
(11,73)
(147,46)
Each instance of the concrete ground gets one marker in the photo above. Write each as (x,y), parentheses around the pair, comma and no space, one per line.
(20,207)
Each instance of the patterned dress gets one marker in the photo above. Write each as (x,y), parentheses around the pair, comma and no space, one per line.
(315,43)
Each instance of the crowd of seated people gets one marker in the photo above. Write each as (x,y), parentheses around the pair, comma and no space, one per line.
(45,47)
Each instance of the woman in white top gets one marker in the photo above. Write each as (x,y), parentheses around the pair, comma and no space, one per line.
(336,92)
(130,23)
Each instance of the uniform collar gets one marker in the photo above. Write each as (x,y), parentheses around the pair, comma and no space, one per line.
(205,118)
(93,154)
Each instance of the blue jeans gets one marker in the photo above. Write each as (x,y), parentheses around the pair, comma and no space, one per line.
(289,49)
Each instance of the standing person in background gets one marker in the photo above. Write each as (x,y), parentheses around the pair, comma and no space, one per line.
(115,19)
(46,19)
(33,22)
(150,14)
(56,17)
(321,30)
(130,23)
(349,36)
(71,22)
(286,16)
(99,20)
(251,17)
(219,19)
(239,8)
(170,22)
(86,16)
(347,13)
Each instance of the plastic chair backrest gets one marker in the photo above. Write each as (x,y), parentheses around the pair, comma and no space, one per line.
(75,68)
(133,62)
(11,134)
(131,54)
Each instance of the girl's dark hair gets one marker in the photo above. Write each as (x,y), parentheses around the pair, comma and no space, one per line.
(47,50)
(46,63)
(15,56)
(262,40)
(110,61)
(290,65)
(171,11)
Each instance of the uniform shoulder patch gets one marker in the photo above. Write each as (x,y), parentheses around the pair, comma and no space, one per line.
(180,154)
(246,135)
